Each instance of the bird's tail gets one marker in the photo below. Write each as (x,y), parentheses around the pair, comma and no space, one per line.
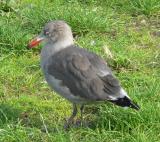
(125,102)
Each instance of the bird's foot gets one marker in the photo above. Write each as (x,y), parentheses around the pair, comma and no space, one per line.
(76,124)
(68,123)
(82,123)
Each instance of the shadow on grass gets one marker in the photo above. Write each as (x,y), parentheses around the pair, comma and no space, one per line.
(8,113)
(11,115)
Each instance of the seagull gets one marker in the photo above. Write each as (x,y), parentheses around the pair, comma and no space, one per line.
(78,75)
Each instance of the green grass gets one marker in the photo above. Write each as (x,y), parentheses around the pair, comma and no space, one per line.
(30,111)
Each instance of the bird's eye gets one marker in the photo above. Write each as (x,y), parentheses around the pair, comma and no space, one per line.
(46,32)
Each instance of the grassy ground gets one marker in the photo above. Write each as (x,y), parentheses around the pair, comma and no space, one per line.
(30,111)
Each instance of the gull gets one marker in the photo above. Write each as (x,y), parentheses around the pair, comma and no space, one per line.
(78,75)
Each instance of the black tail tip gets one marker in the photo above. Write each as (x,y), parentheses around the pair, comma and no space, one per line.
(134,106)
(126,102)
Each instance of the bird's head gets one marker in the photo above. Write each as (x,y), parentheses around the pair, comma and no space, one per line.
(53,32)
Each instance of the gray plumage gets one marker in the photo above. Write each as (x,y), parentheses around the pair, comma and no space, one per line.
(78,75)
(80,71)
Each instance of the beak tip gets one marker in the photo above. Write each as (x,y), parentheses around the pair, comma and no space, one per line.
(33,44)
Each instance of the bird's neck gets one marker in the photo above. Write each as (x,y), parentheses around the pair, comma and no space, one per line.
(51,48)
(59,45)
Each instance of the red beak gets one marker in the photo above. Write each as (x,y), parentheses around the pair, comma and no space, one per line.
(35,42)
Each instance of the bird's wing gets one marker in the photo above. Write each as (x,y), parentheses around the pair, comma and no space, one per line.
(99,64)
(73,66)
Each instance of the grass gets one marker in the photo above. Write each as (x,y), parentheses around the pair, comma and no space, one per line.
(30,111)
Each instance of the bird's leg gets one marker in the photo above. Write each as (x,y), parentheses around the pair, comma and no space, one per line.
(79,122)
(81,109)
(74,113)
(70,120)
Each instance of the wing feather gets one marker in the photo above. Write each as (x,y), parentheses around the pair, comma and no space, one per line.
(74,67)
